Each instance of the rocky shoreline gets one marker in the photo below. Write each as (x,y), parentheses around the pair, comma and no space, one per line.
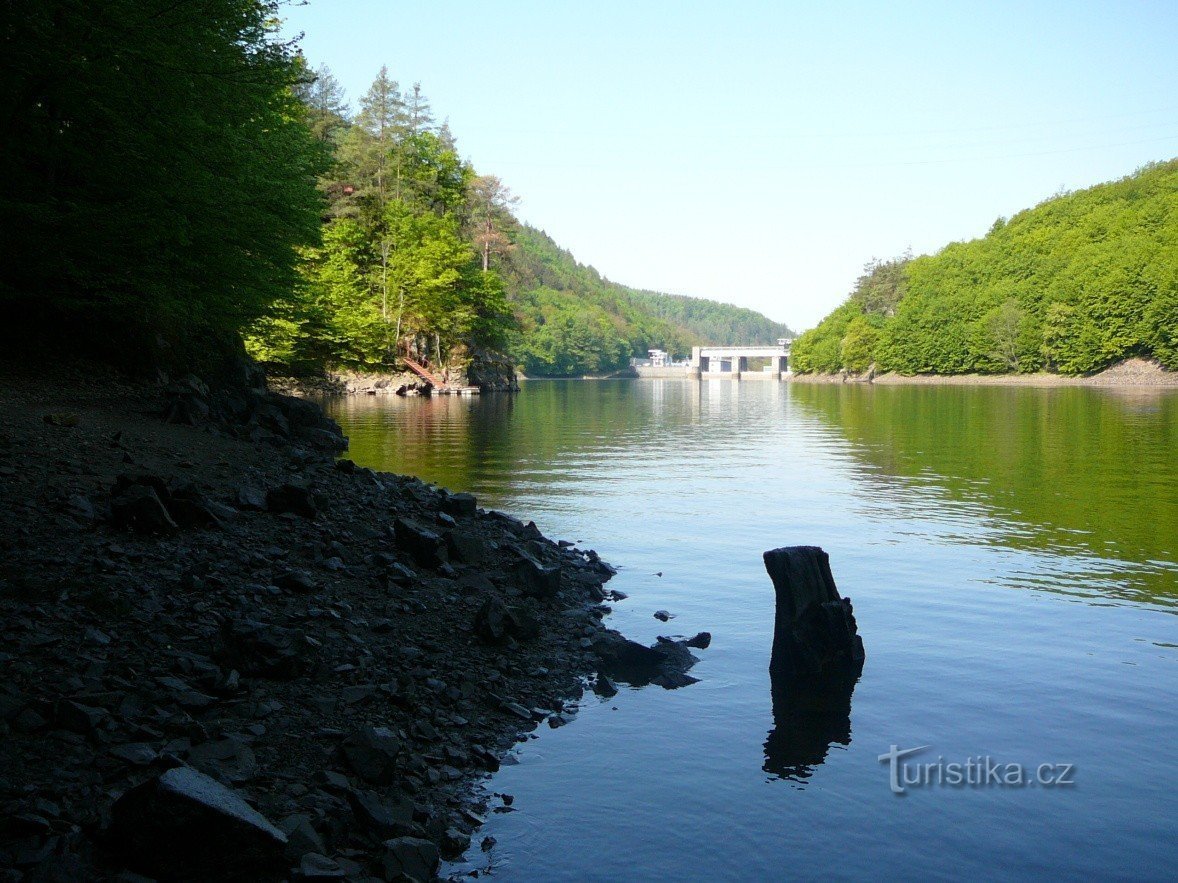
(215,633)
(1131,373)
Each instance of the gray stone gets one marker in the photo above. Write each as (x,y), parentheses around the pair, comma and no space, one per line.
(421,543)
(371,753)
(185,825)
(298,581)
(134,753)
(250,499)
(314,866)
(536,579)
(139,508)
(260,650)
(78,718)
(380,817)
(295,498)
(465,547)
(412,857)
(460,505)
(701,641)
(301,836)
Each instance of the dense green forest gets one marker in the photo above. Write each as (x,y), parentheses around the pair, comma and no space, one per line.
(157,176)
(1073,285)
(572,321)
(421,256)
(187,180)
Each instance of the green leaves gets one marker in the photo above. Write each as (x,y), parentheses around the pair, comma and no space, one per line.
(1074,284)
(156,172)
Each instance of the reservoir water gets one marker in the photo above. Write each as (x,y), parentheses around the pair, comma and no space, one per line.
(1012,555)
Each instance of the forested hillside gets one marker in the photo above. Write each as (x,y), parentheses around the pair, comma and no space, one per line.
(1073,285)
(157,178)
(421,256)
(187,180)
(572,321)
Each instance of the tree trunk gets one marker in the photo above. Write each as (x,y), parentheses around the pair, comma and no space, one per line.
(814,630)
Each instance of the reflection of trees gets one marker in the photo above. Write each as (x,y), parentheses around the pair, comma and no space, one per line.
(1067,469)
(808,718)
(470,443)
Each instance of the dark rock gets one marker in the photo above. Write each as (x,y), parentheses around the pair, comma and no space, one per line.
(298,581)
(135,753)
(604,687)
(663,664)
(29,721)
(421,543)
(324,439)
(614,650)
(673,680)
(379,817)
(465,547)
(66,420)
(518,710)
(187,401)
(301,836)
(139,508)
(78,718)
(294,498)
(495,622)
(814,630)
(187,826)
(675,655)
(182,693)
(537,580)
(475,582)
(460,505)
(412,857)
(314,866)
(250,499)
(257,649)
(190,508)
(333,780)
(663,616)
(701,641)
(80,507)
(455,842)
(228,759)
(371,753)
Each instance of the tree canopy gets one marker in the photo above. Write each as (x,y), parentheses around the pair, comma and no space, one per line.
(1073,285)
(156,172)
(421,255)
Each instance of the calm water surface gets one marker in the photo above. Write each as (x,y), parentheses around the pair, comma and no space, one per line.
(1013,559)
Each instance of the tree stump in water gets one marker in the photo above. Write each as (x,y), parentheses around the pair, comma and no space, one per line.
(814,630)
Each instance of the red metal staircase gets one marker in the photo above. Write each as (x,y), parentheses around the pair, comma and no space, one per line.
(431,378)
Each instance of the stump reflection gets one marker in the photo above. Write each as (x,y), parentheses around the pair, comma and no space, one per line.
(808,718)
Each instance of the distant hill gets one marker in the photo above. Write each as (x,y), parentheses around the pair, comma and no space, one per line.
(573,321)
(1072,285)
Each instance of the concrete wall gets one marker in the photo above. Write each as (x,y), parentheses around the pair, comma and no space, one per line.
(677,371)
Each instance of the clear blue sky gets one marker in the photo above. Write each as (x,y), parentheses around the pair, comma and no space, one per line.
(760,152)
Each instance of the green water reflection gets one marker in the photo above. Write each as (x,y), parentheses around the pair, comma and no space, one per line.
(1071,470)
(1088,474)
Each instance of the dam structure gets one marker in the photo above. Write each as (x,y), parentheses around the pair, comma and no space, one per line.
(733,361)
(714,362)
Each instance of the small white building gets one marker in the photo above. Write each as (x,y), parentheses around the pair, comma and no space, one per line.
(659,358)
